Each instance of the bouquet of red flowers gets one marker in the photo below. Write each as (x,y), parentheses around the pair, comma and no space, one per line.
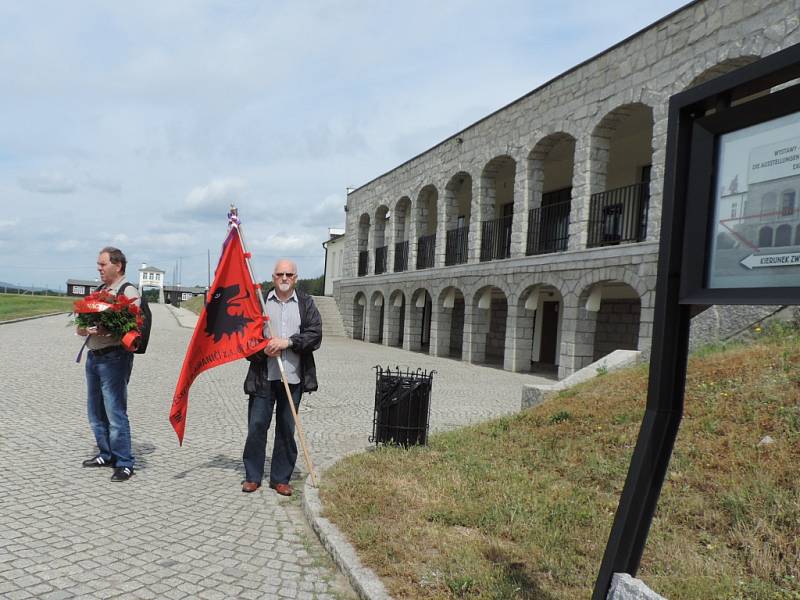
(117,315)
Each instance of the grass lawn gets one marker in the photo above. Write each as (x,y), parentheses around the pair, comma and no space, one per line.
(521,507)
(17,306)
(193,304)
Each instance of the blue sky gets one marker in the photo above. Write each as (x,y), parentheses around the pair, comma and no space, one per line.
(136,124)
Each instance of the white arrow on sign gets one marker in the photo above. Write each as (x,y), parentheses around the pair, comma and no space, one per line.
(755,261)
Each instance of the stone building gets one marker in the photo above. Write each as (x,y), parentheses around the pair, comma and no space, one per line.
(529,240)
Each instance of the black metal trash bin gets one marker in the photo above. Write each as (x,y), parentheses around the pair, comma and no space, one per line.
(402,406)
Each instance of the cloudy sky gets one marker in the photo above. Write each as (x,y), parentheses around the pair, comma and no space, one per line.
(136,124)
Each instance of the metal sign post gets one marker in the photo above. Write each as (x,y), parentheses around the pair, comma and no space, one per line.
(730,234)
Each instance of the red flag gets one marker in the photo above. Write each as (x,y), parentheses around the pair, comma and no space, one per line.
(230,327)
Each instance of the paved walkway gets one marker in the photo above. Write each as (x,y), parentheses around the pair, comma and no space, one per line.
(181,528)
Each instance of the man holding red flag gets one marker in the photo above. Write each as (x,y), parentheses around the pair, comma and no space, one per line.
(296,328)
(230,327)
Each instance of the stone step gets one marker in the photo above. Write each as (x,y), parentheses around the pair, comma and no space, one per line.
(331,318)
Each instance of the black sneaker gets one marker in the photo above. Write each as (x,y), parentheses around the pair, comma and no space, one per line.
(122,474)
(97,461)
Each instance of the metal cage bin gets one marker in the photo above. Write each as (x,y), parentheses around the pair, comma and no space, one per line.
(402,406)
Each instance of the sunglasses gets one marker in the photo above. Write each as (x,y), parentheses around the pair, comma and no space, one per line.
(287,275)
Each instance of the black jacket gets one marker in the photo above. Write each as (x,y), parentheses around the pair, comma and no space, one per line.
(304,343)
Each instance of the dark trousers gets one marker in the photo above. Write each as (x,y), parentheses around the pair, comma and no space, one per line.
(259,416)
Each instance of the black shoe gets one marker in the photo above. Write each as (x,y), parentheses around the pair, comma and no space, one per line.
(122,474)
(97,461)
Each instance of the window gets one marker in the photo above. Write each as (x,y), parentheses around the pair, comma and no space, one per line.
(734,208)
(765,237)
(186,295)
(769,204)
(79,289)
(787,205)
(783,235)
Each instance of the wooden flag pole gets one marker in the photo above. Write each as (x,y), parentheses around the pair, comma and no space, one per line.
(301,436)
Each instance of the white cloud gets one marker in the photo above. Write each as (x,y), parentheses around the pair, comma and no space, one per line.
(47,183)
(210,200)
(8,223)
(69,245)
(168,240)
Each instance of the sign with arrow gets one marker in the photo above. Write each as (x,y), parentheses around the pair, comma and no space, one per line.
(755,261)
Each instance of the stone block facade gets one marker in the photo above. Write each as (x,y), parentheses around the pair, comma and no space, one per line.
(531,237)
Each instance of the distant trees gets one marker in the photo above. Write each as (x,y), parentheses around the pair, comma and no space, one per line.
(313,286)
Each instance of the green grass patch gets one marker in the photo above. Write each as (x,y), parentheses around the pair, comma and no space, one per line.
(18,306)
(521,507)
(194,304)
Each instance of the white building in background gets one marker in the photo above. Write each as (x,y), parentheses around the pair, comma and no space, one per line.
(334,258)
(152,277)
(529,240)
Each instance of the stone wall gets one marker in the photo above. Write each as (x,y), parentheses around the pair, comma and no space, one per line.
(617,327)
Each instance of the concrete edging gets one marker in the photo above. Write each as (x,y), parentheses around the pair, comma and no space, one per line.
(365,582)
(55,314)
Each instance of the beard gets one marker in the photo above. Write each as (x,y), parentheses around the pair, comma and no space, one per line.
(285,287)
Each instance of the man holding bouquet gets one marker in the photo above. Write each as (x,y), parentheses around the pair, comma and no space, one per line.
(108,369)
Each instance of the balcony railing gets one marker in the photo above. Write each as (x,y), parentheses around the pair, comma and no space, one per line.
(619,216)
(548,228)
(425,249)
(363,259)
(400,257)
(455,251)
(380,259)
(496,238)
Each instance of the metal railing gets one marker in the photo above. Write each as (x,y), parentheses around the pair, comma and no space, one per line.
(496,238)
(425,249)
(455,252)
(380,259)
(619,216)
(548,228)
(363,259)
(400,257)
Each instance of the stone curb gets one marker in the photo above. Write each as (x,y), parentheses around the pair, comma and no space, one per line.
(33,317)
(364,581)
(184,318)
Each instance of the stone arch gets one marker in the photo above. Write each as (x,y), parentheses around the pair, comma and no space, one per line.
(765,237)
(457,216)
(536,332)
(401,222)
(496,207)
(375,318)
(713,71)
(426,216)
(380,236)
(418,328)
(621,158)
(450,315)
(783,235)
(617,274)
(490,306)
(359,313)
(395,314)
(551,166)
(363,244)
(611,318)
